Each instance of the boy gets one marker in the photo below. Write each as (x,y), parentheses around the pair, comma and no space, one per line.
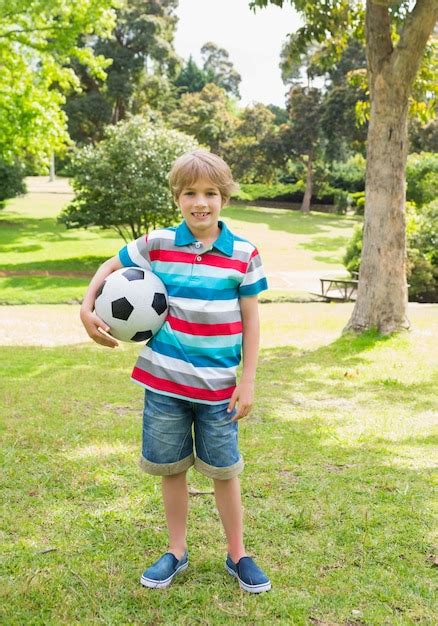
(189,367)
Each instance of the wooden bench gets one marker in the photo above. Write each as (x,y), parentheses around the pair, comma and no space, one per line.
(338,289)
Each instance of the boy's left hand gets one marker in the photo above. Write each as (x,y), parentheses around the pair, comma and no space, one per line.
(244,396)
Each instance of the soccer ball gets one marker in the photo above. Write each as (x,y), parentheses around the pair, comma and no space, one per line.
(133,302)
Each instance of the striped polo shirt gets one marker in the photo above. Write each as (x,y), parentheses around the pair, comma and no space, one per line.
(195,354)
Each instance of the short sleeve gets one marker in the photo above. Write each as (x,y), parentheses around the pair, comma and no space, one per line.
(254,280)
(136,254)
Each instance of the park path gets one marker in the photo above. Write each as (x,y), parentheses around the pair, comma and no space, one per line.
(53,325)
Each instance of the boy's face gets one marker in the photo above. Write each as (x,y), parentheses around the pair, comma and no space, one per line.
(200,205)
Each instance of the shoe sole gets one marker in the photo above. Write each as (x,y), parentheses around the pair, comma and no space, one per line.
(249,588)
(161,584)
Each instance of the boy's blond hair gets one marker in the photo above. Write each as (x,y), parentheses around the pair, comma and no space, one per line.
(193,166)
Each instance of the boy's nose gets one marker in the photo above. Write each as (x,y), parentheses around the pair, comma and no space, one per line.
(200,201)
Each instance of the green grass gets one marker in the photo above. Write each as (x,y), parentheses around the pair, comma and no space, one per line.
(32,242)
(337,487)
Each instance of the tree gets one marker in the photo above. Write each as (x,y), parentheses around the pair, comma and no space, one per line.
(122,182)
(256,152)
(206,115)
(191,78)
(142,60)
(38,40)
(281,115)
(396,39)
(219,68)
(304,107)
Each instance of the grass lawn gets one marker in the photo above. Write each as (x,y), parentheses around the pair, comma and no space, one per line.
(32,241)
(337,487)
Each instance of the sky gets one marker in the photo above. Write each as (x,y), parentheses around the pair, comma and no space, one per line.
(253,41)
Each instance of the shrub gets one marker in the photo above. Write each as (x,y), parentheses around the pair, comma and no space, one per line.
(324,194)
(422,177)
(348,175)
(423,255)
(351,258)
(11,180)
(278,191)
(422,251)
(122,183)
(358,202)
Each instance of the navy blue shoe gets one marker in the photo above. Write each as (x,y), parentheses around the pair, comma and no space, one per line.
(251,578)
(161,573)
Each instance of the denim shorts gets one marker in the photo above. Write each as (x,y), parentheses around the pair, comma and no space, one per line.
(170,428)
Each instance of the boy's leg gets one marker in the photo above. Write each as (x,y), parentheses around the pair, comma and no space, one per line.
(176,504)
(229,504)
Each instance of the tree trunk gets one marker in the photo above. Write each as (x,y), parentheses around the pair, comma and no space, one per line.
(119,111)
(52,167)
(382,290)
(305,206)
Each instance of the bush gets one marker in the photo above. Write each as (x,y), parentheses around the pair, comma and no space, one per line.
(122,183)
(278,191)
(292,193)
(351,258)
(422,177)
(422,277)
(348,175)
(423,255)
(358,202)
(422,251)
(340,200)
(11,180)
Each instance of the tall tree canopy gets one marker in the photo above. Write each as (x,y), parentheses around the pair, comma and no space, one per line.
(219,68)
(38,39)
(256,151)
(191,78)
(206,115)
(143,60)
(397,35)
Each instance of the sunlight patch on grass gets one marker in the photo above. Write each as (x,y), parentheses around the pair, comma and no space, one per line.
(100,450)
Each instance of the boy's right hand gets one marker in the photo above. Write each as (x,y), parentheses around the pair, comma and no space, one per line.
(95,328)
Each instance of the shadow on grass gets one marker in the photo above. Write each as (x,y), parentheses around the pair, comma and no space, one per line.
(40,283)
(289,221)
(88,264)
(335,523)
(27,229)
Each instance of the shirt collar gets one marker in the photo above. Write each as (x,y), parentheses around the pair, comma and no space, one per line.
(224,243)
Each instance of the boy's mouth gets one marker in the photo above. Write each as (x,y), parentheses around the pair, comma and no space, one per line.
(200,214)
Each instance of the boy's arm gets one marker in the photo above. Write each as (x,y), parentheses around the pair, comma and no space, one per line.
(93,324)
(244,392)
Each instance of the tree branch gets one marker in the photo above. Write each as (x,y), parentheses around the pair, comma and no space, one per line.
(413,39)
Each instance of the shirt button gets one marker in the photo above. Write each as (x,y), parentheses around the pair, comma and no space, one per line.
(198,244)
(199,258)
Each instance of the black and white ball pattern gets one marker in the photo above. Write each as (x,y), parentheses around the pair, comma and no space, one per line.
(133,302)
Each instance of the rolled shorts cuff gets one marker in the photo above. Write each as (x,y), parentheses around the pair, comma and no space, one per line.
(222,473)
(166,469)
